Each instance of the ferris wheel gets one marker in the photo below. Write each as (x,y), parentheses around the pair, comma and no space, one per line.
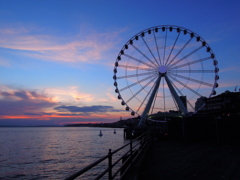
(165,68)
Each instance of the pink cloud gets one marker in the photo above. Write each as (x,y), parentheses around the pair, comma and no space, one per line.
(84,48)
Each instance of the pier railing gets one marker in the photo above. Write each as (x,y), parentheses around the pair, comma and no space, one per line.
(120,168)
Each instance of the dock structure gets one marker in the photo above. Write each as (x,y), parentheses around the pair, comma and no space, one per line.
(205,148)
(172,160)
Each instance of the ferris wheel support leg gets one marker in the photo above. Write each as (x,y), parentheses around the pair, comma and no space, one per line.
(149,104)
(181,106)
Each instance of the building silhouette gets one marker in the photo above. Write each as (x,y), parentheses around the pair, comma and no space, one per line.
(225,103)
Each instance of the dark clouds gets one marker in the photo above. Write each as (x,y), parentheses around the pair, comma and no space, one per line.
(87,109)
(26,108)
(21,94)
(19,102)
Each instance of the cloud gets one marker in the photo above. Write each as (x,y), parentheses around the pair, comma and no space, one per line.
(87,109)
(77,48)
(30,107)
(227,69)
(71,93)
(20,102)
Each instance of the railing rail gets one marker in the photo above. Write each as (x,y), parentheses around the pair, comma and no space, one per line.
(136,146)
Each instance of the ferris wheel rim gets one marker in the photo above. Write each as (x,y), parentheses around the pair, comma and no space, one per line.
(162,68)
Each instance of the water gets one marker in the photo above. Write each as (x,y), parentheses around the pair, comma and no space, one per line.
(52,152)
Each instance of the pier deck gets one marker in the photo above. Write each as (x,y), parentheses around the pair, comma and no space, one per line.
(191,161)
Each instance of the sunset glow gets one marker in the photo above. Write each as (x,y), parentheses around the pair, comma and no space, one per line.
(56,67)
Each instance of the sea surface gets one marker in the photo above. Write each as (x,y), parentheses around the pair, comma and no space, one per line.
(53,152)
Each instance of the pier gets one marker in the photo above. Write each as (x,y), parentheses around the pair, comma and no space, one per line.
(201,149)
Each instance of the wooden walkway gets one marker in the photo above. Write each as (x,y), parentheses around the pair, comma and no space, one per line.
(191,161)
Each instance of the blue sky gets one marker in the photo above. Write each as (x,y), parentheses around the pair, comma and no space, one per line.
(57,57)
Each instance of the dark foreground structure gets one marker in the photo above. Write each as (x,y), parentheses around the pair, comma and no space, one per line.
(196,148)
(189,160)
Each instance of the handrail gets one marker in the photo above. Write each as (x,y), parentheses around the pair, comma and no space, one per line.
(136,147)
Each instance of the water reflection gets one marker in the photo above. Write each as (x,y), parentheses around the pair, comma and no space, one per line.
(52,153)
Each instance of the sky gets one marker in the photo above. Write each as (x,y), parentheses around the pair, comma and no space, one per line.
(57,56)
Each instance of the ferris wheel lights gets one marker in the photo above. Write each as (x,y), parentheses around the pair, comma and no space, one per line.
(212,55)
(203,43)
(214,92)
(208,49)
(185,32)
(198,38)
(149,31)
(156,29)
(163,28)
(215,62)
(170,29)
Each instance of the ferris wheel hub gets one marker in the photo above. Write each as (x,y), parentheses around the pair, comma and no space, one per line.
(162,69)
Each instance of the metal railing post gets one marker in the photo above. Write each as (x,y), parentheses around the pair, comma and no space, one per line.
(131,147)
(110,164)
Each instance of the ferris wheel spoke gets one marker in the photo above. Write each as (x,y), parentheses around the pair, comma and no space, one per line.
(153,63)
(135,75)
(146,97)
(150,51)
(184,85)
(157,48)
(135,67)
(140,90)
(165,45)
(189,54)
(180,51)
(172,48)
(138,60)
(138,82)
(191,71)
(190,63)
(193,80)
(188,102)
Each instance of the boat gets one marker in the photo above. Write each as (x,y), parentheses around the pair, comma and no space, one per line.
(114,132)
(100,134)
